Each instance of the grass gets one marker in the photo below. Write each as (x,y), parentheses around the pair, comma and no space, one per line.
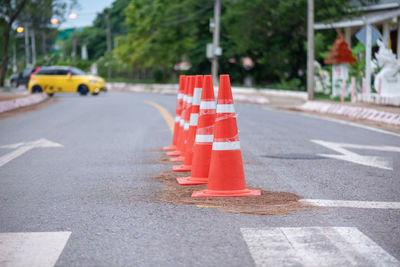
(321,96)
(6,88)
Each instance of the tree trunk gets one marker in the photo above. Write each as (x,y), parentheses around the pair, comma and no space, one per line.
(44,48)
(4,64)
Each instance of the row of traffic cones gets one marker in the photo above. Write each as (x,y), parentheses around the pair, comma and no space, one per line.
(206,139)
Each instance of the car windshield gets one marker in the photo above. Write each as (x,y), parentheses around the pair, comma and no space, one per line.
(75,71)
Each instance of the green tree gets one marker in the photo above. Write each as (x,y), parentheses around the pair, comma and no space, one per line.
(95,36)
(35,14)
(9,12)
(273,34)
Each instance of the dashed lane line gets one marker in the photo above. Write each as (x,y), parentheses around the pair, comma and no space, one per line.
(352,204)
(41,249)
(314,246)
(166,115)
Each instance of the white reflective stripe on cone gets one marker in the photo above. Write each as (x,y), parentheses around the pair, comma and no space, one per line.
(186,126)
(180,96)
(196,96)
(207,105)
(225,108)
(204,138)
(182,122)
(194,118)
(226,145)
(184,98)
(189,99)
(177,118)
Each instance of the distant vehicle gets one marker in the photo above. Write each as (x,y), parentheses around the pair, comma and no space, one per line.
(22,78)
(65,79)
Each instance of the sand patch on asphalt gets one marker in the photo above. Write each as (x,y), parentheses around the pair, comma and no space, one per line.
(269,203)
(164,159)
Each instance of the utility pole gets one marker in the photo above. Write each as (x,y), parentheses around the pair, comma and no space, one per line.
(368,56)
(33,41)
(214,62)
(15,56)
(27,55)
(108,33)
(310,50)
(74,46)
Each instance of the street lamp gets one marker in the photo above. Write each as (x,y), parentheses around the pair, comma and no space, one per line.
(72,16)
(54,21)
(20,29)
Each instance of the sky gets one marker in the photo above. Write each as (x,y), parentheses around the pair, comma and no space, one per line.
(86,11)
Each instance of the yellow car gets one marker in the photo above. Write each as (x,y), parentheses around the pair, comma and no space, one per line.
(65,79)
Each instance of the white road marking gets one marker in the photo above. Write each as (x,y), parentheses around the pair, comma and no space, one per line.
(31,249)
(21,148)
(352,204)
(314,246)
(372,161)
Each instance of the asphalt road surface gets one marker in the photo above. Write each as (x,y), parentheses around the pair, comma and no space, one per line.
(76,189)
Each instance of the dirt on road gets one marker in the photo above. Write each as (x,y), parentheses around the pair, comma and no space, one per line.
(269,203)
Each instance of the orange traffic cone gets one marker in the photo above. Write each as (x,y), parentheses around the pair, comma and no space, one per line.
(226,176)
(185,129)
(204,137)
(178,151)
(178,112)
(191,134)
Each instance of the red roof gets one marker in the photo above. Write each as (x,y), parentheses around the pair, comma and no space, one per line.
(340,52)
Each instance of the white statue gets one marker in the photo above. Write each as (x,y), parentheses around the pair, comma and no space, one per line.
(322,79)
(387,81)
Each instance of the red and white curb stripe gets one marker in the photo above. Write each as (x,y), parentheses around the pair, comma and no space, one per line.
(352,112)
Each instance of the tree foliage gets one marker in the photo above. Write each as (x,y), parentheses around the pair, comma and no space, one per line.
(272,33)
(35,15)
(160,33)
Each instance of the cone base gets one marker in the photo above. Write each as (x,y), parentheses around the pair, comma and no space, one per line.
(169,147)
(227,193)
(182,168)
(180,158)
(191,180)
(174,153)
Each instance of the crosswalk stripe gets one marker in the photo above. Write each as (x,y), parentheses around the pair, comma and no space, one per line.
(314,246)
(32,249)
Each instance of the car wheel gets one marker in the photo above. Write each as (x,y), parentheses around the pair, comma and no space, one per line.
(50,94)
(14,84)
(36,89)
(83,89)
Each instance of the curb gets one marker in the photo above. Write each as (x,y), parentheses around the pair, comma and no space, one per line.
(22,102)
(352,112)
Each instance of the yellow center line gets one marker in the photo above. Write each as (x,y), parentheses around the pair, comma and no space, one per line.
(167,116)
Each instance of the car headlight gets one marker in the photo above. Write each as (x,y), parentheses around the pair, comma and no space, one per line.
(93,81)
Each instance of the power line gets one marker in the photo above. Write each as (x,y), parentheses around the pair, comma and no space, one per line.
(166,24)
